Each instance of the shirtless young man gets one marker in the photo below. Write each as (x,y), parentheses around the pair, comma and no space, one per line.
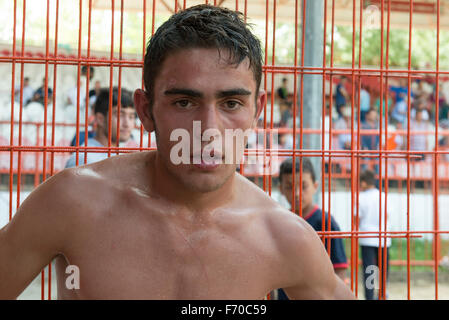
(139,227)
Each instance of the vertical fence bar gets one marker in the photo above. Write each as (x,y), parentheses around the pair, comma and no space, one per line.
(111,73)
(384,147)
(323,135)
(78,76)
(44,160)
(331,64)
(295,107)
(87,105)
(11,141)
(273,62)
(55,65)
(354,249)
(436,225)
(119,98)
(301,101)
(408,143)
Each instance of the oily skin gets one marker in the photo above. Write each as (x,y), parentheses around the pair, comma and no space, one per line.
(140,228)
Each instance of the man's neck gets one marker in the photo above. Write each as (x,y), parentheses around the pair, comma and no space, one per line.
(171,189)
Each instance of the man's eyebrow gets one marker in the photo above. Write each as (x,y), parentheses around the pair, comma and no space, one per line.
(198,94)
(233,92)
(184,91)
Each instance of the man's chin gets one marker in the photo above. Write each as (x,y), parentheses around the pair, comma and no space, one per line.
(204,182)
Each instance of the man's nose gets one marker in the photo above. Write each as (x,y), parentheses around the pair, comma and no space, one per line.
(209,118)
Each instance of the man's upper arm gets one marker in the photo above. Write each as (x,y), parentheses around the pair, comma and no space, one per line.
(33,238)
(311,269)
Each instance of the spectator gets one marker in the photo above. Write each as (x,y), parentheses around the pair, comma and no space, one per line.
(390,106)
(82,138)
(365,103)
(421,91)
(286,114)
(443,105)
(39,94)
(400,91)
(27,92)
(384,107)
(93,93)
(101,139)
(396,139)
(418,141)
(310,211)
(369,222)
(399,113)
(341,95)
(370,141)
(425,111)
(444,146)
(282,91)
(443,116)
(344,123)
(72,95)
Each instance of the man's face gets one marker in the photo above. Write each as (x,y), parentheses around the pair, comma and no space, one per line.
(200,85)
(127,123)
(308,189)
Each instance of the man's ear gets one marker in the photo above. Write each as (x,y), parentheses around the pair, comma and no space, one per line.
(260,104)
(142,105)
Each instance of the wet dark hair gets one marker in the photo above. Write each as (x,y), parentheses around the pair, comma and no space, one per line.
(368,177)
(287,167)
(102,102)
(202,26)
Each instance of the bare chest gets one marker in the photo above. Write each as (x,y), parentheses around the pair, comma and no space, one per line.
(138,259)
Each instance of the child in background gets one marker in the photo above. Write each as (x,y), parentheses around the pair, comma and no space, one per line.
(310,211)
(369,222)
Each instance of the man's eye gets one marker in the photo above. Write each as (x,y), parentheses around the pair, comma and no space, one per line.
(232,104)
(183,103)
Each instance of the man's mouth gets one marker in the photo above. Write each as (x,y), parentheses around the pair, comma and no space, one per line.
(208,163)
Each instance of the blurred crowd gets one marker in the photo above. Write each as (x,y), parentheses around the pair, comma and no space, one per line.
(108,125)
(396,114)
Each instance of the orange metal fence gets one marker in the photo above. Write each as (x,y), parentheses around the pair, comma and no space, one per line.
(46,153)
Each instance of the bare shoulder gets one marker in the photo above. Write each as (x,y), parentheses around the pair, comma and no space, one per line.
(303,262)
(112,173)
(84,189)
(286,228)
